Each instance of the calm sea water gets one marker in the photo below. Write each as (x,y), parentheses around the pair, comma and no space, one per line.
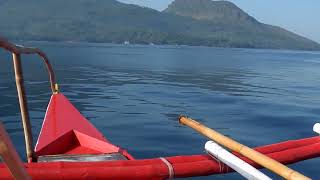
(134,95)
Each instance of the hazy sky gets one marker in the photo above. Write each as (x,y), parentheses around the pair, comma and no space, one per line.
(302,17)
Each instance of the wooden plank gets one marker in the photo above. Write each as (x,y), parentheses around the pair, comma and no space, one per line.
(10,156)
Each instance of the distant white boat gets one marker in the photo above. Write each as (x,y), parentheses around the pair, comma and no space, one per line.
(126,42)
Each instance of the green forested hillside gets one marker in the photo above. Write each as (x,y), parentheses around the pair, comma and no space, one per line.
(223,24)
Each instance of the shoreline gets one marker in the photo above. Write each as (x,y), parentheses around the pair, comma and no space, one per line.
(101,44)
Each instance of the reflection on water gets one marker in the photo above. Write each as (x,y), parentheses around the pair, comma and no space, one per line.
(134,94)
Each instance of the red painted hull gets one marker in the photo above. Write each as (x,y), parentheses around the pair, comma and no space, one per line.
(184,166)
(65,131)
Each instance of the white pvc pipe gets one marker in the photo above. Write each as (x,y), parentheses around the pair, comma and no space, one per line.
(234,162)
(316,128)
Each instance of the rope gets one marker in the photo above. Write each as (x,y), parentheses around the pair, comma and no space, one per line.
(170,168)
(221,164)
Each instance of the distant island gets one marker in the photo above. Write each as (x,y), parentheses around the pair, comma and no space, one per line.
(184,22)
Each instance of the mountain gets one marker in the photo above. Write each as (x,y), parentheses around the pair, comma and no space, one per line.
(238,27)
(188,22)
(216,11)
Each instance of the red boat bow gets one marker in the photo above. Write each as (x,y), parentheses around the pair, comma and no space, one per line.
(66,131)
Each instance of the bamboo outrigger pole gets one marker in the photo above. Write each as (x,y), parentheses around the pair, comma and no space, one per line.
(11,157)
(255,156)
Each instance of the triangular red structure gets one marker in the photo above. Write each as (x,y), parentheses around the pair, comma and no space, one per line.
(66,131)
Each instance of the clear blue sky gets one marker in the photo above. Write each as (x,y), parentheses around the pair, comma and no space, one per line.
(302,17)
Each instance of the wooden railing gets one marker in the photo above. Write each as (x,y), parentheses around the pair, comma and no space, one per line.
(17,51)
